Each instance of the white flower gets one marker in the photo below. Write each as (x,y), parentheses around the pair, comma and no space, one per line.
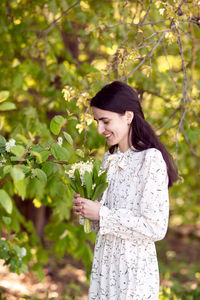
(100,172)
(10,144)
(24,252)
(32,175)
(60,141)
(2,161)
(82,167)
(161,11)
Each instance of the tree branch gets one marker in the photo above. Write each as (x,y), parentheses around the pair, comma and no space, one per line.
(185,82)
(198,118)
(169,118)
(170,70)
(148,55)
(177,132)
(187,141)
(145,16)
(156,94)
(173,126)
(48,28)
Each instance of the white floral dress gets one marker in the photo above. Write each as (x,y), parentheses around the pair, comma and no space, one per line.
(133,215)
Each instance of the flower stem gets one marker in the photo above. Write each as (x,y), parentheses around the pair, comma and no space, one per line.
(87,227)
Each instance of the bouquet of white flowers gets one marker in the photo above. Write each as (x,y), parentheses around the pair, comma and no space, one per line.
(87,179)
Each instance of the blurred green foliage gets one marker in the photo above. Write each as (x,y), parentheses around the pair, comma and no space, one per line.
(76,47)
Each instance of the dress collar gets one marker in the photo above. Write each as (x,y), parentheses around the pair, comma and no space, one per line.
(128,151)
(118,159)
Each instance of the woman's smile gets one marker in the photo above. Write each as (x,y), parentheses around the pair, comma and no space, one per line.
(108,135)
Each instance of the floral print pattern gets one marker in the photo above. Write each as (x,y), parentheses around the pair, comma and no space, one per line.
(133,215)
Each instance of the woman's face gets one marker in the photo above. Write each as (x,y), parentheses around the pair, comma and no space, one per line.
(114,126)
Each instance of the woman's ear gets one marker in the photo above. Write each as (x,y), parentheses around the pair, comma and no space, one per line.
(129,116)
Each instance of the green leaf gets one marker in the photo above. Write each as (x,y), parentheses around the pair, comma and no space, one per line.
(22,138)
(7,169)
(37,155)
(2,145)
(18,150)
(35,188)
(2,141)
(6,201)
(7,106)
(78,181)
(6,220)
(44,155)
(96,168)
(80,153)
(88,184)
(56,124)
(77,177)
(68,138)
(41,175)
(25,169)
(4,95)
(20,187)
(17,250)
(73,184)
(48,168)
(59,152)
(72,118)
(62,210)
(99,190)
(101,178)
(17,174)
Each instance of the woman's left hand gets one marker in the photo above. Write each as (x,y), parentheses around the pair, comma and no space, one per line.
(86,208)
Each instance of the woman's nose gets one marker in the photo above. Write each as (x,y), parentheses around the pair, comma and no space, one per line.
(100,128)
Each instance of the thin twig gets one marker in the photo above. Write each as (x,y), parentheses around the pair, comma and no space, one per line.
(179,7)
(145,16)
(148,55)
(170,70)
(157,94)
(169,118)
(194,43)
(195,21)
(185,82)
(177,132)
(171,127)
(187,33)
(198,118)
(187,141)
(48,28)
(166,56)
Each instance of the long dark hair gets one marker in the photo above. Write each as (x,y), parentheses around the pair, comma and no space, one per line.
(119,97)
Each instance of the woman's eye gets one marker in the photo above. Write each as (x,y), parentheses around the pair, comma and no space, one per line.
(106,123)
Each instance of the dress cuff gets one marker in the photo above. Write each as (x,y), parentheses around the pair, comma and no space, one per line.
(104,221)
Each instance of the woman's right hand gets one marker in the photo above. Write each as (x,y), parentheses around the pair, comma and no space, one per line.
(86,208)
(77,204)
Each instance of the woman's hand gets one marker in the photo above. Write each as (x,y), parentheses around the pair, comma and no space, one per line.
(86,208)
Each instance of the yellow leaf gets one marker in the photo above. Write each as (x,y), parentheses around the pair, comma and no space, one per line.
(37,203)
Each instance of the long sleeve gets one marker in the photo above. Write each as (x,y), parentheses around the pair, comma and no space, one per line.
(152,220)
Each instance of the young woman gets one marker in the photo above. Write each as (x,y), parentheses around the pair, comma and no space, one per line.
(133,212)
